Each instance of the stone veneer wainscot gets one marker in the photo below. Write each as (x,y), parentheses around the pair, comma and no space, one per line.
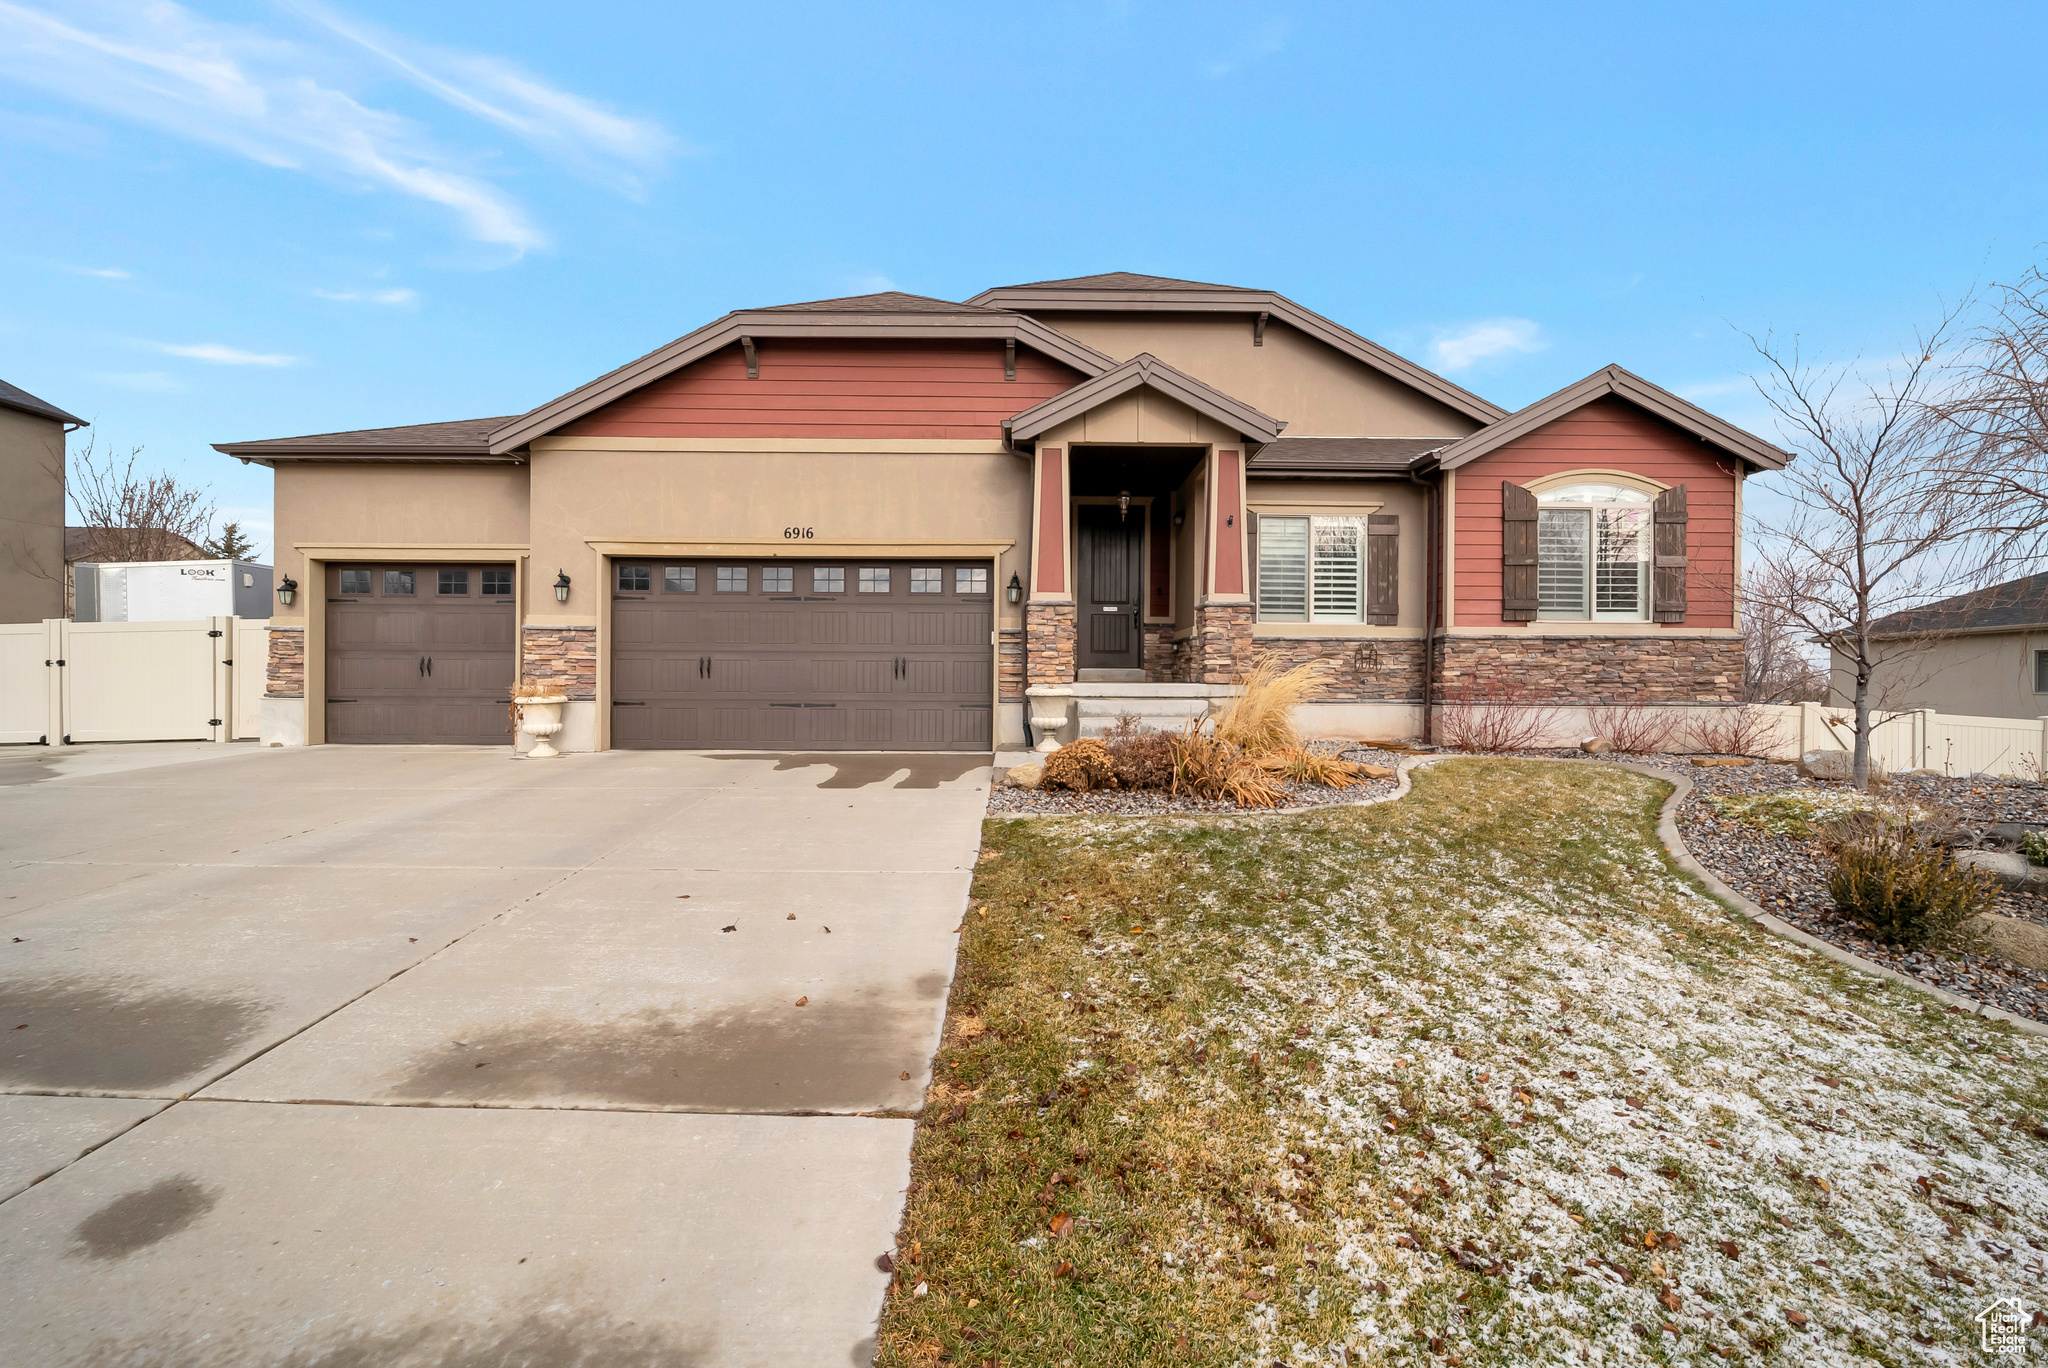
(565,657)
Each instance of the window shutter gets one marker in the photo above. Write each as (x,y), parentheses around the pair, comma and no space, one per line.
(1517,554)
(1667,566)
(1382,569)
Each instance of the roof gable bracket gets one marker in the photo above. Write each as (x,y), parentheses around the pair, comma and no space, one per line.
(753,361)
(1259,328)
(1009,358)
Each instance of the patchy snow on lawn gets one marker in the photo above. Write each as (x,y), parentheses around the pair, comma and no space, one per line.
(1652,1131)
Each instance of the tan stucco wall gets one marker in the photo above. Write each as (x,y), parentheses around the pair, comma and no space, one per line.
(1316,389)
(392,506)
(31,517)
(1398,497)
(743,495)
(1991,675)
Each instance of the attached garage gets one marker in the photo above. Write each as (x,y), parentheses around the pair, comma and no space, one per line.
(420,654)
(803,655)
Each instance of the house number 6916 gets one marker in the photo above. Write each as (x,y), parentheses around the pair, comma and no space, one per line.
(798,533)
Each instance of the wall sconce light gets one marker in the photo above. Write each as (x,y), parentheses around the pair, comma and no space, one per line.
(1015,592)
(287,590)
(1123,506)
(1179,518)
(561,586)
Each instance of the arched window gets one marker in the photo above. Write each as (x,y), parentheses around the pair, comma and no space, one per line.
(1593,553)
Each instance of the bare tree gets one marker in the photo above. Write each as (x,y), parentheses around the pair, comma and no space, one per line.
(1993,412)
(1879,520)
(136,515)
(1775,665)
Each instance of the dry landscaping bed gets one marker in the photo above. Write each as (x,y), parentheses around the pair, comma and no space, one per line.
(1471,1078)
(1005,801)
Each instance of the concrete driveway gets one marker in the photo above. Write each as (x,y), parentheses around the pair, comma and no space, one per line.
(355,1055)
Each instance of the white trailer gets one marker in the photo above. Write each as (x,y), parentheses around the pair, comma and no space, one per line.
(169,591)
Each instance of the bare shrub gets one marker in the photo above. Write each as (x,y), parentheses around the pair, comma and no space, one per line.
(1493,717)
(1633,728)
(1305,766)
(1260,717)
(1080,765)
(1742,730)
(1142,756)
(1208,767)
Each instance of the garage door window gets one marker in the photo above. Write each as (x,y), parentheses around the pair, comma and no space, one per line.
(778,579)
(497,582)
(397,583)
(355,581)
(732,579)
(970,581)
(828,580)
(927,579)
(679,579)
(635,578)
(874,579)
(455,582)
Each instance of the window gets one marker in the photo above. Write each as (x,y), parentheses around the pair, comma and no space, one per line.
(635,578)
(971,581)
(497,581)
(355,581)
(828,579)
(454,582)
(874,579)
(927,580)
(1593,554)
(2041,672)
(732,579)
(680,579)
(777,579)
(1312,569)
(397,582)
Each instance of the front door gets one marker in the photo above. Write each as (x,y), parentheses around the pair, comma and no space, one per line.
(1110,633)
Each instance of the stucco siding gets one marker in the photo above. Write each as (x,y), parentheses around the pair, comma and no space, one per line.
(831,389)
(1318,390)
(1980,675)
(1607,434)
(31,517)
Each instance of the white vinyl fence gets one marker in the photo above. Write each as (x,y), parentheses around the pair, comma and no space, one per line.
(2011,747)
(68,683)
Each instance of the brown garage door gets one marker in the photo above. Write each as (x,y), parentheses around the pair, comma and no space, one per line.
(419,654)
(802,655)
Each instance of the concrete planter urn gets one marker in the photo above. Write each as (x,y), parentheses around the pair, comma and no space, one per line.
(540,717)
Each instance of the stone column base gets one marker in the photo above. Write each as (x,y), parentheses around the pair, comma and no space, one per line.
(1049,643)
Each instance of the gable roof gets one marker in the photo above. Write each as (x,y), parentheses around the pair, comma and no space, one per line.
(1144,371)
(21,399)
(1623,384)
(1125,291)
(467,441)
(2016,605)
(892,315)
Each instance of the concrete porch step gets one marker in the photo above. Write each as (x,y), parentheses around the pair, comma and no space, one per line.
(1096,676)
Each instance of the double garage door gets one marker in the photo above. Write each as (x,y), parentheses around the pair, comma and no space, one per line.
(802,655)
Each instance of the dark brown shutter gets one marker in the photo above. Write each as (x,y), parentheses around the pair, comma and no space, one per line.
(1383,569)
(1667,567)
(1517,554)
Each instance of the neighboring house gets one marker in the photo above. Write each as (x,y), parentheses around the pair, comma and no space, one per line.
(876,522)
(32,512)
(118,544)
(1980,654)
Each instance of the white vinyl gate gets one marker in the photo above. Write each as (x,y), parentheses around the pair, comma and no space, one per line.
(68,683)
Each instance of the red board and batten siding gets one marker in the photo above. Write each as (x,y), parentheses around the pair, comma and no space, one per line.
(829,389)
(1607,434)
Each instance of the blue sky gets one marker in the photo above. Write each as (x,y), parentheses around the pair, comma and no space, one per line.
(239,220)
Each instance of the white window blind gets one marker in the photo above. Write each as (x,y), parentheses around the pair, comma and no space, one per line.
(1561,537)
(1312,569)
(1592,563)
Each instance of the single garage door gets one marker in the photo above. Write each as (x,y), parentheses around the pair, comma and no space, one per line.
(420,654)
(802,655)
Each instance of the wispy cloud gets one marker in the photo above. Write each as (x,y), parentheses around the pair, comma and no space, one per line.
(370,296)
(216,354)
(1462,348)
(149,382)
(288,104)
(871,282)
(1713,389)
(102,272)
(1267,38)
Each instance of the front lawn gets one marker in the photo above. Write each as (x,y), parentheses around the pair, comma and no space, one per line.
(1474,1077)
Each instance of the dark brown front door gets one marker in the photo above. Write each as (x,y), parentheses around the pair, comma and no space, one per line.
(802,655)
(419,654)
(1111,628)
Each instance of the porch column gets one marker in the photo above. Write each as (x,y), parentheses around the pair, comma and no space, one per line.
(1223,615)
(1049,615)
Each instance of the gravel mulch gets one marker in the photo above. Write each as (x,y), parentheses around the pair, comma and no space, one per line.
(1010,802)
(1787,876)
